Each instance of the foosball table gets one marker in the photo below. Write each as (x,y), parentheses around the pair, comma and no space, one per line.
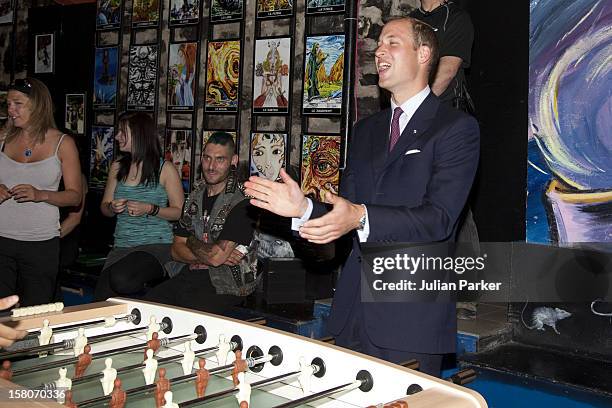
(137,354)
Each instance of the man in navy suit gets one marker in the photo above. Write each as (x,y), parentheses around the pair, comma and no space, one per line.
(409,171)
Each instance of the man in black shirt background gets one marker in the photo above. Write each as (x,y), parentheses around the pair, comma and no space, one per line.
(455,34)
(213,238)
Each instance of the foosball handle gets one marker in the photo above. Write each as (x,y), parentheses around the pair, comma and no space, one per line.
(328,339)
(258,320)
(412,364)
(463,377)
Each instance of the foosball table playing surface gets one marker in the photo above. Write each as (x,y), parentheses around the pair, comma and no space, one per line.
(170,357)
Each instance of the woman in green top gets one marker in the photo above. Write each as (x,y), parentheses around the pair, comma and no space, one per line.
(145,194)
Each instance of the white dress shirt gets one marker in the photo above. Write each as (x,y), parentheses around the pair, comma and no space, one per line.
(408,107)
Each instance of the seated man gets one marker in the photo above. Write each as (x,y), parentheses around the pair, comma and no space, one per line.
(213,238)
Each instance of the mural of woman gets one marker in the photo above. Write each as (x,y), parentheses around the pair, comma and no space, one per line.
(268,154)
(185,67)
(271,71)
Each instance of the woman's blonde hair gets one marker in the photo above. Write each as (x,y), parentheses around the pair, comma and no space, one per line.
(41,108)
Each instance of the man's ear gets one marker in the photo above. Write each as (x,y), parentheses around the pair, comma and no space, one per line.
(424,55)
(235,160)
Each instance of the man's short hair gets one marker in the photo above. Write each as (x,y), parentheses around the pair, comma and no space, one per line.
(423,35)
(222,138)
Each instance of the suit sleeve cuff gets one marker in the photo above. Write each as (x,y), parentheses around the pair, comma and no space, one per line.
(296,223)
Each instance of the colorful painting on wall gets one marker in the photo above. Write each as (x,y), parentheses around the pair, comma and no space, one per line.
(3,106)
(320,164)
(323,75)
(108,15)
(223,11)
(182,75)
(222,76)
(202,139)
(145,13)
(177,150)
(274,8)
(569,179)
(142,77)
(183,12)
(324,6)
(105,78)
(6,11)
(101,157)
(44,54)
(267,155)
(75,113)
(271,77)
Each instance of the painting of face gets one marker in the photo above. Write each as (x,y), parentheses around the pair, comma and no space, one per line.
(320,169)
(268,154)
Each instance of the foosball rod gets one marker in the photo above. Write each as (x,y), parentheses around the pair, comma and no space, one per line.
(69,343)
(364,382)
(145,389)
(103,354)
(133,367)
(127,318)
(222,394)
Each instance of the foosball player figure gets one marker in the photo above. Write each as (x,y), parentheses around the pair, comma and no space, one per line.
(240,366)
(153,344)
(244,404)
(5,370)
(118,396)
(161,386)
(68,402)
(83,362)
(202,377)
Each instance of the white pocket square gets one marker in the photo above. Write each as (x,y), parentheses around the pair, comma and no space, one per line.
(413,151)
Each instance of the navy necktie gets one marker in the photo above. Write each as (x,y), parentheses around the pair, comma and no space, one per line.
(395,127)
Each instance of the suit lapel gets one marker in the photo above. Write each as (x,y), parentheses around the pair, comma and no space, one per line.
(415,129)
(379,142)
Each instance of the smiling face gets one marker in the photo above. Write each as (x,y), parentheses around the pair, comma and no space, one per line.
(268,155)
(19,109)
(400,70)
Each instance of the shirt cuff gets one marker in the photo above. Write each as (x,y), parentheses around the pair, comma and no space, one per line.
(365,232)
(296,223)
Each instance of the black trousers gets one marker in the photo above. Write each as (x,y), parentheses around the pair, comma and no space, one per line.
(194,290)
(354,337)
(129,276)
(29,269)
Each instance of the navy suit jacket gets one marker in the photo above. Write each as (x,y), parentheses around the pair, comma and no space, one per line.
(410,198)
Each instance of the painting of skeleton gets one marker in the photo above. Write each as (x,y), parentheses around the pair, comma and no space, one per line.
(142,77)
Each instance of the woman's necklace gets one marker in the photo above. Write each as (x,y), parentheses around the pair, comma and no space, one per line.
(27,152)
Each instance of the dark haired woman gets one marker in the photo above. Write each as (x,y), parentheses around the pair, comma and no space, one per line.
(144,192)
(34,156)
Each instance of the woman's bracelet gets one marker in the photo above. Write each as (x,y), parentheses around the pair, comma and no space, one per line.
(154,211)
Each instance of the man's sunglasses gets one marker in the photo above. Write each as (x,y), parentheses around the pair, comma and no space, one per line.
(21,85)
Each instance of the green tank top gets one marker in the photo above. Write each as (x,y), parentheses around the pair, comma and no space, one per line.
(133,231)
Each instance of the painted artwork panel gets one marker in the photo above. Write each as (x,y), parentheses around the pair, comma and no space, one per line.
(271,76)
(145,13)
(177,149)
(569,177)
(320,165)
(183,12)
(105,78)
(267,155)
(324,6)
(108,14)
(75,113)
(6,12)
(101,155)
(44,54)
(182,70)
(226,10)
(222,76)
(142,77)
(274,8)
(202,139)
(323,75)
